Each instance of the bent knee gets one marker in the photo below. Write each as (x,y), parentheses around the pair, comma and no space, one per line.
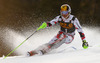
(69,39)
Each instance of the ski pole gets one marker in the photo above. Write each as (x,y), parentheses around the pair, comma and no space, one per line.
(44,25)
(20,44)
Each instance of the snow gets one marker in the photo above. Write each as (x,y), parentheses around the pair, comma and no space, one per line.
(67,53)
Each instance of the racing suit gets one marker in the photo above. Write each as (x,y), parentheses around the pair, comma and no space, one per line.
(65,35)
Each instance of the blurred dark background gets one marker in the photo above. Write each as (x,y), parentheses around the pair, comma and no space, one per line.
(24,14)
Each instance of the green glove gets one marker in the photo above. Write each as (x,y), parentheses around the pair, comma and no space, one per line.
(44,25)
(85,44)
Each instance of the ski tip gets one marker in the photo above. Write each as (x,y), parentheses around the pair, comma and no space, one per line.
(74,48)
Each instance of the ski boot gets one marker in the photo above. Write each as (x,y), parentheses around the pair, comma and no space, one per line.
(31,53)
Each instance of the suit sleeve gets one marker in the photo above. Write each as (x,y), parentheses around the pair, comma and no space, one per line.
(79,29)
(53,22)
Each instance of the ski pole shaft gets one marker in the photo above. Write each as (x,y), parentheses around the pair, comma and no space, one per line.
(21,44)
(44,25)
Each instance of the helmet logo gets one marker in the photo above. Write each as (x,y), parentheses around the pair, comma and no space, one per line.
(63,8)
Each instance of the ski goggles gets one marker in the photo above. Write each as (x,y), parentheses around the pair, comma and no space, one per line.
(64,12)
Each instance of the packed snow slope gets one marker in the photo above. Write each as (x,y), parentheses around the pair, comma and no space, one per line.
(67,53)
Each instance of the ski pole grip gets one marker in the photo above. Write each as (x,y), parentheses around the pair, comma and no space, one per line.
(44,25)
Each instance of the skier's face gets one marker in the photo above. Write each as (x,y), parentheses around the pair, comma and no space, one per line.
(65,14)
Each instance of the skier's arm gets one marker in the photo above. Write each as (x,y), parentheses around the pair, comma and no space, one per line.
(82,35)
(79,29)
(48,24)
(53,22)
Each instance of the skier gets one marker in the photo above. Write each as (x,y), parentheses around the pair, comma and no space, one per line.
(68,24)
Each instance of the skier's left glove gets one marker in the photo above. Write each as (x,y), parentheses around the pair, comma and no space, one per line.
(85,44)
(44,25)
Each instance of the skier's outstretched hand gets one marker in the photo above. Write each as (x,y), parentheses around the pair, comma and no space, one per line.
(85,44)
(44,25)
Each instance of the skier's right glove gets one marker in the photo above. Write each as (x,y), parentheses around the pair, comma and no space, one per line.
(85,44)
(44,25)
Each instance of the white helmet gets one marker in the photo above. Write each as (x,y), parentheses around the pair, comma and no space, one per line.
(66,7)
